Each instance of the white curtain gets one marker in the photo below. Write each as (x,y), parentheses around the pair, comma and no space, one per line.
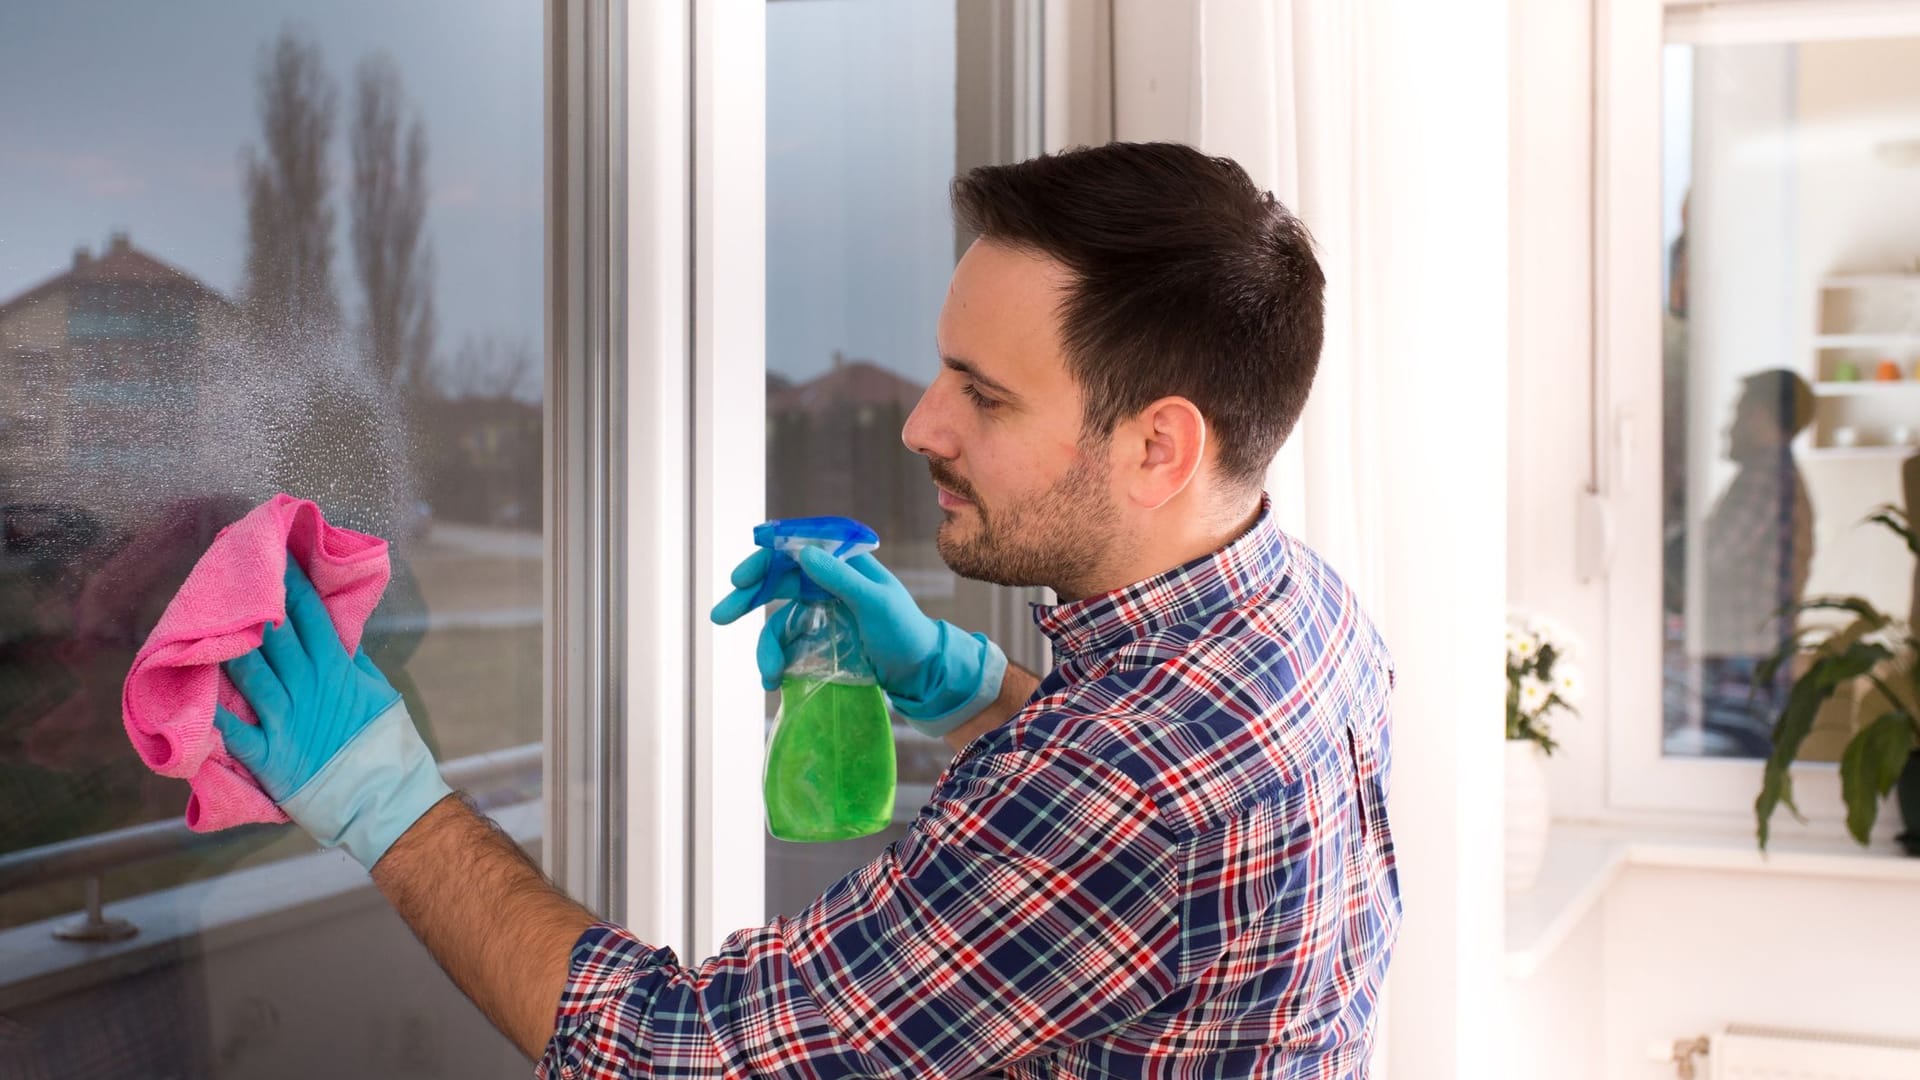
(1276,87)
(1384,124)
(1385,127)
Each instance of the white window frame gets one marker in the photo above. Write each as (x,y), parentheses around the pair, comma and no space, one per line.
(695,266)
(690,137)
(692,849)
(728,305)
(1628,256)
(659,611)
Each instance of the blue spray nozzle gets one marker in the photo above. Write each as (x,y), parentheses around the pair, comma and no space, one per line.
(841,537)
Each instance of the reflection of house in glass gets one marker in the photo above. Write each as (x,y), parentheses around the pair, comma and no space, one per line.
(833,447)
(103,366)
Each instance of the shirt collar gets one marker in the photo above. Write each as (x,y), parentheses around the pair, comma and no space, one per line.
(1230,577)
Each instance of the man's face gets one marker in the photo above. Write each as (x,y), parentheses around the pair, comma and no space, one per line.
(1026,503)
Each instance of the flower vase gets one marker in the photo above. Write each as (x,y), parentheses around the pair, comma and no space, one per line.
(1528,813)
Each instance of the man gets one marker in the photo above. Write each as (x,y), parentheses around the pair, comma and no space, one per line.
(1757,555)
(1170,855)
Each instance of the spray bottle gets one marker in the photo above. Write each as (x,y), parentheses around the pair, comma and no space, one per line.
(830,762)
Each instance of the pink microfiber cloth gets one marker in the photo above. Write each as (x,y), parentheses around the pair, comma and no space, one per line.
(234,590)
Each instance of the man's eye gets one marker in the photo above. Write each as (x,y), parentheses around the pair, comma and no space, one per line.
(979,399)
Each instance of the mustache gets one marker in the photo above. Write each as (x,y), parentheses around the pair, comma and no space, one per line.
(946,479)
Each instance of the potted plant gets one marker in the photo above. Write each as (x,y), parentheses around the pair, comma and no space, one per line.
(1877,659)
(1541,680)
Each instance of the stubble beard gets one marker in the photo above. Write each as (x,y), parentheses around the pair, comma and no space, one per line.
(1058,538)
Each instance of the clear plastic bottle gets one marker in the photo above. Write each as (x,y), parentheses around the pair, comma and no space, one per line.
(830,769)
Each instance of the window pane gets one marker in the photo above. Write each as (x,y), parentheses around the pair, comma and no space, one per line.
(869,116)
(248,249)
(1792,319)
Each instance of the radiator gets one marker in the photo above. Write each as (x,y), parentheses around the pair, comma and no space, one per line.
(1761,1053)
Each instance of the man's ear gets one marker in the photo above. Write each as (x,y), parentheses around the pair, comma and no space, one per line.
(1169,442)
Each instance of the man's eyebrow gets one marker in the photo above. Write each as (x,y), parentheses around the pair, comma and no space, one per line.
(974,373)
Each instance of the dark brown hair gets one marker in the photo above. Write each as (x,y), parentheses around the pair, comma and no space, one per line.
(1188,281)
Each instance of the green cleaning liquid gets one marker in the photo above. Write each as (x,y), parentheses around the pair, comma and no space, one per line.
(830,769)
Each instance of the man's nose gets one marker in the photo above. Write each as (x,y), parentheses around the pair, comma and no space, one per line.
(926,433)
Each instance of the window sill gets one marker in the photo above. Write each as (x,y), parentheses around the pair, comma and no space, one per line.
(1583,861)
(281,897)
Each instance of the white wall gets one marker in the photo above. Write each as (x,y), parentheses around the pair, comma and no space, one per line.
(1689,951)
(1672,954)
(1548,406)
(1553,1030)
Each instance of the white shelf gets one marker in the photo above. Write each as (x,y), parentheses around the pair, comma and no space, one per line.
(1864,387)
(1866,341)
(1856,281)
(1831,452)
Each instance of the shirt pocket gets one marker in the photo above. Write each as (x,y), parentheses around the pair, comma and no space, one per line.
(1367,761)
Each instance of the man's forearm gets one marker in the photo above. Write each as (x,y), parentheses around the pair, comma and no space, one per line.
(501,931)
(1018,685)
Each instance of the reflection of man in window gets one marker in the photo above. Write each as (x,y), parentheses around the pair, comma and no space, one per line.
(1170,857)
(1756,555)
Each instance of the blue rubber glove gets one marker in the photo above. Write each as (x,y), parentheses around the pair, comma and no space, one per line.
(335,746)
(937,675)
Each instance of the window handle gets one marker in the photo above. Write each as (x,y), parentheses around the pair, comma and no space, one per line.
(1593,515)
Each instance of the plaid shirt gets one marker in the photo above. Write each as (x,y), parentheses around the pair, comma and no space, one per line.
(1174,861)
(1758,554)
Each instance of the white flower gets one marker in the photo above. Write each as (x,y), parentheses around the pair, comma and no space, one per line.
(1569,682)
(1559,636)
(1546,632)
(1533,694)
(1523,647)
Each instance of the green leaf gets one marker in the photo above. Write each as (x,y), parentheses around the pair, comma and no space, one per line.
(1868,620)
(1856,630)
(1769,666)
(1855,604)
(1896,701)
(1893,517)
(1869,767)
(1809,692)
